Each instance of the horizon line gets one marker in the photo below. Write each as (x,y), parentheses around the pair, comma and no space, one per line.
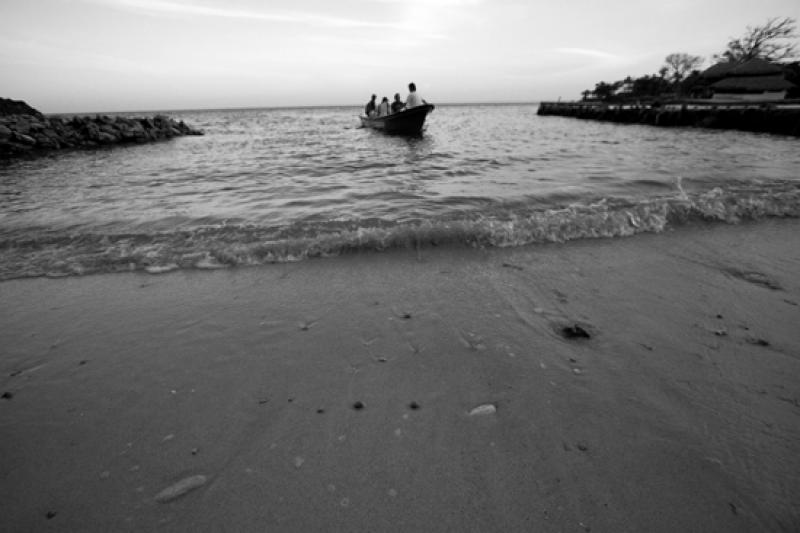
(253,108)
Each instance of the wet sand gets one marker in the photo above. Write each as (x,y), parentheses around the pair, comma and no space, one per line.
(335,395)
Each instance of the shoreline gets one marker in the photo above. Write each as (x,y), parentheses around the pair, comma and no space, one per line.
(678,413)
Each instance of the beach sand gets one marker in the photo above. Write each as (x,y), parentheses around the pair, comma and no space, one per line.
(335,394)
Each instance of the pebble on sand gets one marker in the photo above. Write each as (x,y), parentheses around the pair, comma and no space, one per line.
(485,409)
(180,488)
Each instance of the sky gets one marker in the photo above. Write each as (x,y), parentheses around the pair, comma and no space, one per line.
(72,56)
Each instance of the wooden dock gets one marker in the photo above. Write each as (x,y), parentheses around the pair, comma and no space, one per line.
(769,117)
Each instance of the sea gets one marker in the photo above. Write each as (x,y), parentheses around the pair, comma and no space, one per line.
(289,184)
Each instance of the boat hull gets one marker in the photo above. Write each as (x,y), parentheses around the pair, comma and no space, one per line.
(407,122)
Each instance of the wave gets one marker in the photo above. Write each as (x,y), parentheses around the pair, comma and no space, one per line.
(50,253)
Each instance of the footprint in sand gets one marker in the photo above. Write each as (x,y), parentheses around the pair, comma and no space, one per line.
(574,331)
(756,278)
(307,325)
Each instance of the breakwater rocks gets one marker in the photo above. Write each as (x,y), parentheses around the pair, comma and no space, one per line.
(25,130)
(781,118)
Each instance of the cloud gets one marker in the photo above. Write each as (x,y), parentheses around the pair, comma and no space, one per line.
(38,54)
(433,3)
(597,54)
(178,7)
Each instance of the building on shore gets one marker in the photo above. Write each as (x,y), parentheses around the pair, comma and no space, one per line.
(755,79)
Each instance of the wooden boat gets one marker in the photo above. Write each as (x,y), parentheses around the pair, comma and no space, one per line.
(407,121)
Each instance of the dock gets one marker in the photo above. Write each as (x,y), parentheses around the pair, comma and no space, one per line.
(778,117)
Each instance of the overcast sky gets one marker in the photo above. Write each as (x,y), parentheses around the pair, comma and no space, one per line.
(118,55)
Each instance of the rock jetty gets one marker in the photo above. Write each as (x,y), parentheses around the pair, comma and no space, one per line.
(25,130)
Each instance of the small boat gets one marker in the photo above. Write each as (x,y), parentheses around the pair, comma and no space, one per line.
(407,121)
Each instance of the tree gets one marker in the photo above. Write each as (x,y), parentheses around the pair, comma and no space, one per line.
(678,66)
(650,86)
(764,42)
(604,91)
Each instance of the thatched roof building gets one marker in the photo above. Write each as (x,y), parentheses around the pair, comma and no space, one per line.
(718,71)
(752,84)
(755,79)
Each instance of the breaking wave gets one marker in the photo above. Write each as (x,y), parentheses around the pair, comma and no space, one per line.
(57,253)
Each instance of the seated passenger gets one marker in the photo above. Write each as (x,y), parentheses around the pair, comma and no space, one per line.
(369,109)
(398,104)
(383,109)
(414,99)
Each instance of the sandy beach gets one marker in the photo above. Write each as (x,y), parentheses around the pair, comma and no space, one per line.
(432,390)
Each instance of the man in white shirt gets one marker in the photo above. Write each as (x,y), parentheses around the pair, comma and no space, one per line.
(384,109)
(414,100)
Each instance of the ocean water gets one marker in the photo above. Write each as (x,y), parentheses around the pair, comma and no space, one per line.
(271,185)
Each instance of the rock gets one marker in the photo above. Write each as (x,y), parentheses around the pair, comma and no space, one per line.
(16,107)
(108,128)
(106,138)
(22,125)
(23,139)
(12,148)
(180,488)
(43,141)
(36,126)
(5,132)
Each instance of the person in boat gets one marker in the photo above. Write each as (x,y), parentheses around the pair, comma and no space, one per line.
(398,104)
(414,99)
(383,109)
(370,108)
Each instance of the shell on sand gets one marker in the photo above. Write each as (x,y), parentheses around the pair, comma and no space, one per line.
(485,409)
(180,488)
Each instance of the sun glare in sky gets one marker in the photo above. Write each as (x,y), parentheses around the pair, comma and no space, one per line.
(109,55)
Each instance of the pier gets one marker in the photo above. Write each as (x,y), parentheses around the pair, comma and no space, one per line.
(781,117)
